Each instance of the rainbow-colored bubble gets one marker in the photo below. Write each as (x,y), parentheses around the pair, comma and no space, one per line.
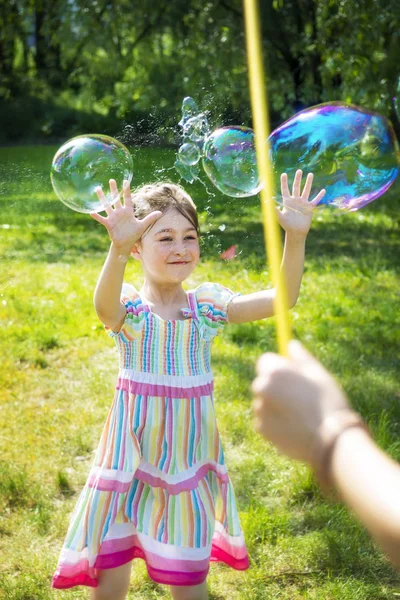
(352,152)
(229,161)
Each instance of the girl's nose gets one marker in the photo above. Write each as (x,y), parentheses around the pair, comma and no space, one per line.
(180,249)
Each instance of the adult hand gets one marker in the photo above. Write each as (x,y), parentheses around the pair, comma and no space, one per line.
(292,398)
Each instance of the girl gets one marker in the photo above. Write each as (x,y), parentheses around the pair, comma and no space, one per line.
(159,488)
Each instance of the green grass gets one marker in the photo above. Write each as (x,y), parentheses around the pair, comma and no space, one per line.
(58,372)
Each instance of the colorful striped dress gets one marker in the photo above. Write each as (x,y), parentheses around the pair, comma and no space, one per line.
(158,488)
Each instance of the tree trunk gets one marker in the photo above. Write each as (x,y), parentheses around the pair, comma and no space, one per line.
(40,41)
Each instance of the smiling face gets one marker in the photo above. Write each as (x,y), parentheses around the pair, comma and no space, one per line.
(169,251)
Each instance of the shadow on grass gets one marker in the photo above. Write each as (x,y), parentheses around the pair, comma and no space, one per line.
(338,546)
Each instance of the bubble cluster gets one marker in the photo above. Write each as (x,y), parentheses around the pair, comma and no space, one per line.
(189,109)
(228,154)
(86,162)
(189,154)
(352,152)
(194,129)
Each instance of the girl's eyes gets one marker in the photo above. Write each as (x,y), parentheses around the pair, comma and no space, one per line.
(169,239)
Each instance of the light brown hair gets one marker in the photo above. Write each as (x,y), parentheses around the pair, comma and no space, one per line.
(163,196)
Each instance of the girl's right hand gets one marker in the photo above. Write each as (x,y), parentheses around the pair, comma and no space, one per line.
(123,228)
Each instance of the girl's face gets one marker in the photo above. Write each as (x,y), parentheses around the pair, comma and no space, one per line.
(169,251)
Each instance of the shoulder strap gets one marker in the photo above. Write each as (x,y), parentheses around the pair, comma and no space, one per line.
(193,304)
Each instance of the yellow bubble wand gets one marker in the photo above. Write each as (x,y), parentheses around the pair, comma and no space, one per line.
(259,104)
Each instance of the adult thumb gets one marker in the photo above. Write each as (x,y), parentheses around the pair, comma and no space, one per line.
(298,353)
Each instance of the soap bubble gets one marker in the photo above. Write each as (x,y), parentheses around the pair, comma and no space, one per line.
(229,160)
(228,154)
(189,173)
(189,154)
(351,151)
(196,128)
(189,109)
(396,100)
(86,162)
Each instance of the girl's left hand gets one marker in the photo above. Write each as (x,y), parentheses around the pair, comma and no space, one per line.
(295,216)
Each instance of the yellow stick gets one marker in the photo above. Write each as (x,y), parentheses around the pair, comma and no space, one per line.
(258,93)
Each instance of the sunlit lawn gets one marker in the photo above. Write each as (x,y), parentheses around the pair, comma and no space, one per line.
(58,371)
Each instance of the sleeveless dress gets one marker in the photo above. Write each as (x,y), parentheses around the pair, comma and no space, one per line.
(158,487)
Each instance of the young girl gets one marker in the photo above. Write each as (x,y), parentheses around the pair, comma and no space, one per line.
(159,488)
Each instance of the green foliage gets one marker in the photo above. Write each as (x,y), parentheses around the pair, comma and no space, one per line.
(118,68)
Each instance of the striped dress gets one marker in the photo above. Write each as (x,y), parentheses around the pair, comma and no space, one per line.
(158,488)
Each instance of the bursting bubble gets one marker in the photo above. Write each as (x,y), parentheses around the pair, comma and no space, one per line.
(189,154)
(189,173)
(189,109)
(229,160)
(86,162)
(352,152)
(196,128)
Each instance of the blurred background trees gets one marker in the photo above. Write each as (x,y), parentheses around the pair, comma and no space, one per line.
(118,66)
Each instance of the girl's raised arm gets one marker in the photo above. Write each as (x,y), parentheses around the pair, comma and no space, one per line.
(295,218)
(124,230)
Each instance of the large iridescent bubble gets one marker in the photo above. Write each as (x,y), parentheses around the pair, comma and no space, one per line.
(86,162)
(352,152)
(396,100)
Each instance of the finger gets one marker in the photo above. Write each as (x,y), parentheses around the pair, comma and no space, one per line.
(101,196)
(99,218)
(260,385)
(297,183)
(151,218)
(307,187)
(258,416)
(284,185)
(318,198)
(265,416)
(127,194)
(115,199)
(269,362)
(258,404)
(299,354)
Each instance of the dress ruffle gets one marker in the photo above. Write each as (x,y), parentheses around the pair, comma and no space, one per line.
(170,386)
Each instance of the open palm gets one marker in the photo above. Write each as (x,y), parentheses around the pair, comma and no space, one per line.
(123,227)
(297,210)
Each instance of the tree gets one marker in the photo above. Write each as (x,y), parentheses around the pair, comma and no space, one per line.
(125,59)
